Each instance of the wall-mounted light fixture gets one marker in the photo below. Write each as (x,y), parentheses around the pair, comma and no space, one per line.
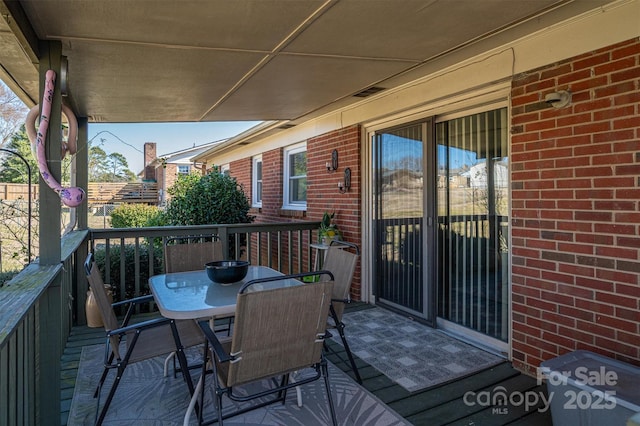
(558,99)
(333,165)
(344,185)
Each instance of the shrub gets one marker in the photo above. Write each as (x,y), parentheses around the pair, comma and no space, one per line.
(7,276)
(129,265)
(136,216)
(214,198)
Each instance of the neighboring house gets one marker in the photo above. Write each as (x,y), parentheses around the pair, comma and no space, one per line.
(536,252)
(165,169)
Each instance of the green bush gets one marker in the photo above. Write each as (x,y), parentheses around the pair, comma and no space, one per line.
(7,276)
(214,198)
(129,265)
(136,216)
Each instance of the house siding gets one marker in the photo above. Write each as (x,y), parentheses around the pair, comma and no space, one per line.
(322,191)
(576,208)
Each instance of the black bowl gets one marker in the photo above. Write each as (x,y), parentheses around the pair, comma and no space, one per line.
(227,271)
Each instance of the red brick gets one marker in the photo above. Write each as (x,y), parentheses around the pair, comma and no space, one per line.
(593,149)
(555,318)
(617,276)
(628,74)
(557,277)
(615,65)
(625,123)
(615,89)
(630,290)
(614,182)
(614,136)
(577,334)
(628,338)
(594,284)
(541,344)
(627,98)
(628,242)
(557,298)
(592,105)
(591,306)
(612,159)
(617,347)
(592,61)
(632,315)
(525,99)
(591,128)
(617,299)
(540,125)
(614,228)
(576,313)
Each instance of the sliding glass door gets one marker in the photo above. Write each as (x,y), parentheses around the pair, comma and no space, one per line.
(440,221)
(473,200)
(398,216)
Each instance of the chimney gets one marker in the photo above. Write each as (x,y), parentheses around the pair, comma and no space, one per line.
(149,157)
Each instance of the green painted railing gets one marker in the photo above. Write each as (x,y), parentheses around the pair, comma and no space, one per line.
(35,320)
(41,304)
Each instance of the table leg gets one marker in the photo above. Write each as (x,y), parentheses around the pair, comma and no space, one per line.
(182,358)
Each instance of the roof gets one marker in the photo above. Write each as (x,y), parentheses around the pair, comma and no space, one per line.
(261,60)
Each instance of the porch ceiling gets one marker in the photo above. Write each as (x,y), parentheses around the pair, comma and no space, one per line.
(215,60)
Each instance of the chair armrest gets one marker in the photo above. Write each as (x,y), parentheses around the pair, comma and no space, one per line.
(216,346)
(156,322)
(132,303)
(135,300)
(284,277)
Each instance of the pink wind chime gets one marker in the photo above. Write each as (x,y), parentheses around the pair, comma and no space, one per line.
(70,196)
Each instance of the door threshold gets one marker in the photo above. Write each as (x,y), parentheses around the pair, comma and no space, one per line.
(481,341)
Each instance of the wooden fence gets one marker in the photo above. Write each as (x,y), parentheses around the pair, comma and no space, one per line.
(98,192)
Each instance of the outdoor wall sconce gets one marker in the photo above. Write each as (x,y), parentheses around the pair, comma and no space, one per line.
(333,165)
(558,99)
(343,186)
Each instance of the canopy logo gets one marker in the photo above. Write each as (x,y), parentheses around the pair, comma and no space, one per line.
(574,397)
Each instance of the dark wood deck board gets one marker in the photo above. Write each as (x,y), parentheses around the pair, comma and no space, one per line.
(440,405)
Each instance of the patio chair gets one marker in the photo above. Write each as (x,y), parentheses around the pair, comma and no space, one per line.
(277,331)
(128,343)
(181,254)
(342,264)
(190,253)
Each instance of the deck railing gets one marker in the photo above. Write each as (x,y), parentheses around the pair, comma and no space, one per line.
(41,304)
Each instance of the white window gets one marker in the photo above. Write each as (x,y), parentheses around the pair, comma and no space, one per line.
(184,169)
(256,182)
(224,169)
(295,177)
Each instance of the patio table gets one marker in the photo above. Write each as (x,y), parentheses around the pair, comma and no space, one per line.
(192,295)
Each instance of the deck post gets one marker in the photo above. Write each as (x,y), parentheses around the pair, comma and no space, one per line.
(50,251)
(49,316)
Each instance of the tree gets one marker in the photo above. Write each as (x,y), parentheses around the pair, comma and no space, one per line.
(12,114)
(12,168)
(210,199)
(118,168)
(97,164)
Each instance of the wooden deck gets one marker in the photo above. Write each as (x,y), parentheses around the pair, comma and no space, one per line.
(441,405)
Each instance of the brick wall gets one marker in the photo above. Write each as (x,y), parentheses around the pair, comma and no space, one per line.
(576,209)
(322,188)
(323,194)
(169,175)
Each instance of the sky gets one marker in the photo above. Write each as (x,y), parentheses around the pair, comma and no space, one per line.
(129,139)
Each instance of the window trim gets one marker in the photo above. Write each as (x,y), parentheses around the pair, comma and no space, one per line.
(254,181)
(288,152)
(188,166)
